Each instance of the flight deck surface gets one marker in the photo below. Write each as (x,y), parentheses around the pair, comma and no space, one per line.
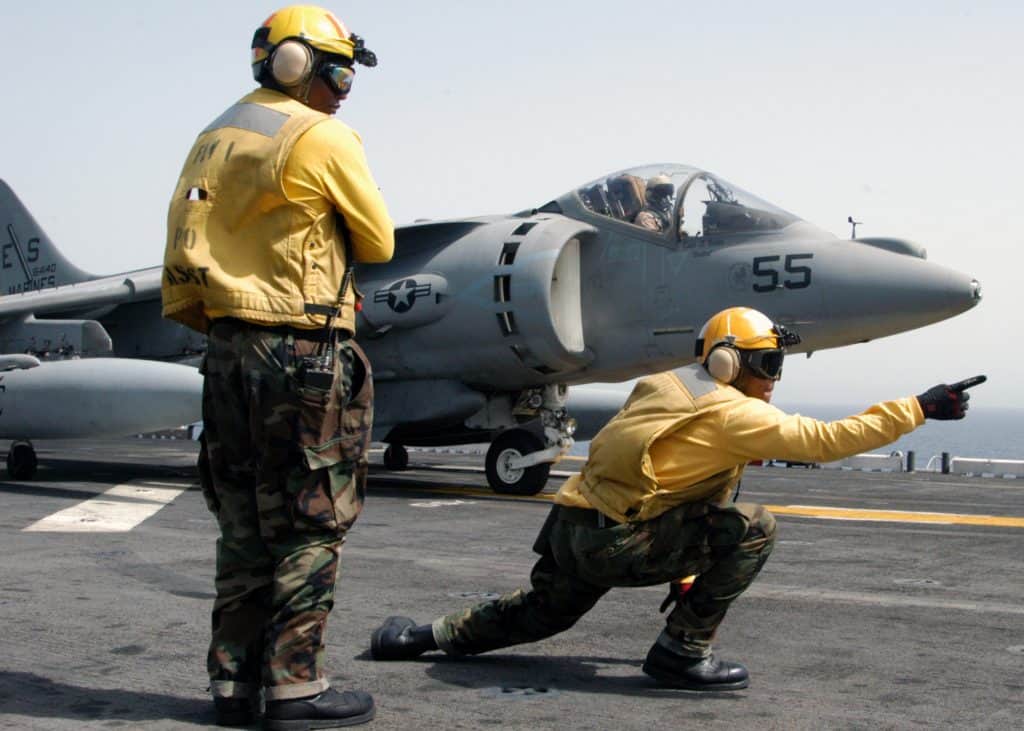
(890,601)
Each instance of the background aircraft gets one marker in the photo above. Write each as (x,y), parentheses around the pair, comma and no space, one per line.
(478,326)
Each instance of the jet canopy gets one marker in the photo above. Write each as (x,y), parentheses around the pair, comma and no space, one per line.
(680,203)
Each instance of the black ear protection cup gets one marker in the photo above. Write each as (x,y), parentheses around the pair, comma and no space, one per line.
(291,63)
(723,363)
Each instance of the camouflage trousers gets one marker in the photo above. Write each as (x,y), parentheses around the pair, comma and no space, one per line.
(726,546)
(283,468)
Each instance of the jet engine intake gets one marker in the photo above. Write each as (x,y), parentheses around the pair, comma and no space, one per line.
(507,307)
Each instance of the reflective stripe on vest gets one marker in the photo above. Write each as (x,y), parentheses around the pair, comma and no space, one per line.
(250,117)
(696,379)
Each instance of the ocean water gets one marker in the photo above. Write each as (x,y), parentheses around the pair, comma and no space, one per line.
(990,433)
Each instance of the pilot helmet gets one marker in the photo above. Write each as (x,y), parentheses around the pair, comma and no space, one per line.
(301,41)
(660,186)
(740,337)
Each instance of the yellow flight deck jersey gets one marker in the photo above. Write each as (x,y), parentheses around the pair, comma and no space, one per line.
(684,437)
(255,227)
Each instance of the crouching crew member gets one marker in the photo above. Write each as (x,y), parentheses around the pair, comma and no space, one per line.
(654,503)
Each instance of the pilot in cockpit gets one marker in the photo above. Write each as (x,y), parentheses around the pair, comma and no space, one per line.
(657,211)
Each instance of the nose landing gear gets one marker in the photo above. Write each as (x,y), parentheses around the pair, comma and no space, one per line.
(519,459)
(511,464)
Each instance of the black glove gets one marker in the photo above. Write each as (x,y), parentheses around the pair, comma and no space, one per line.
(948,402)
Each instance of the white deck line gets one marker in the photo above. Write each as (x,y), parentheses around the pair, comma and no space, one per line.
(117,510)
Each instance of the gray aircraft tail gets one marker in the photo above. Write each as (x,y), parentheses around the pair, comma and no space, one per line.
(28,259)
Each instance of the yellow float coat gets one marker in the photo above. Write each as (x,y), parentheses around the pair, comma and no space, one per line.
(684,437)
(256,224)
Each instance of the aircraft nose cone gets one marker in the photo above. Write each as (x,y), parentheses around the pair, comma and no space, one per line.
(963,293)
(923,292)
(870,294)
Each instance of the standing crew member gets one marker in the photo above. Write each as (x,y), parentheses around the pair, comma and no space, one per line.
(654,503)
(274,205)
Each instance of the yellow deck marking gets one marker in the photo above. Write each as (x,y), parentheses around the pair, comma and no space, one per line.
(895,516)
(813,511)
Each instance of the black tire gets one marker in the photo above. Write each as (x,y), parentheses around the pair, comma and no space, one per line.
(515,443)
(21,461)
(396,457)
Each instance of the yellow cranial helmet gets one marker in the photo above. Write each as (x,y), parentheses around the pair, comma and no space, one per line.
(742,336)
(317,27)
(741,327)
(284,47)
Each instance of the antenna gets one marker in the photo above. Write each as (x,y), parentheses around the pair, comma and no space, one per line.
(854,224)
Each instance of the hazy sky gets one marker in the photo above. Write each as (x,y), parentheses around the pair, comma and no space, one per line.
(907,115)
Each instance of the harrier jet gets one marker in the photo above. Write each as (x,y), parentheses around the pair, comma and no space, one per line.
(479,326)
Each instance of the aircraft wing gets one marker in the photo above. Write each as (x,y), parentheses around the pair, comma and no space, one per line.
(144,284)
(130,287)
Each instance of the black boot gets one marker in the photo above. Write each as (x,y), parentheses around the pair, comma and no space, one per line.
(694,673)
(330,709)
(233,711)
(400,639)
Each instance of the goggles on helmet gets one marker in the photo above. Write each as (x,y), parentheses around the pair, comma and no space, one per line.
(338,76)
(764,363)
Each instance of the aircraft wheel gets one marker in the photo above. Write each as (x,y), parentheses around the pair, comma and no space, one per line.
(21,461)
(396,457)
(509,481)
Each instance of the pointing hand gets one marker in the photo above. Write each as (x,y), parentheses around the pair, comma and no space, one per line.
(948,401)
